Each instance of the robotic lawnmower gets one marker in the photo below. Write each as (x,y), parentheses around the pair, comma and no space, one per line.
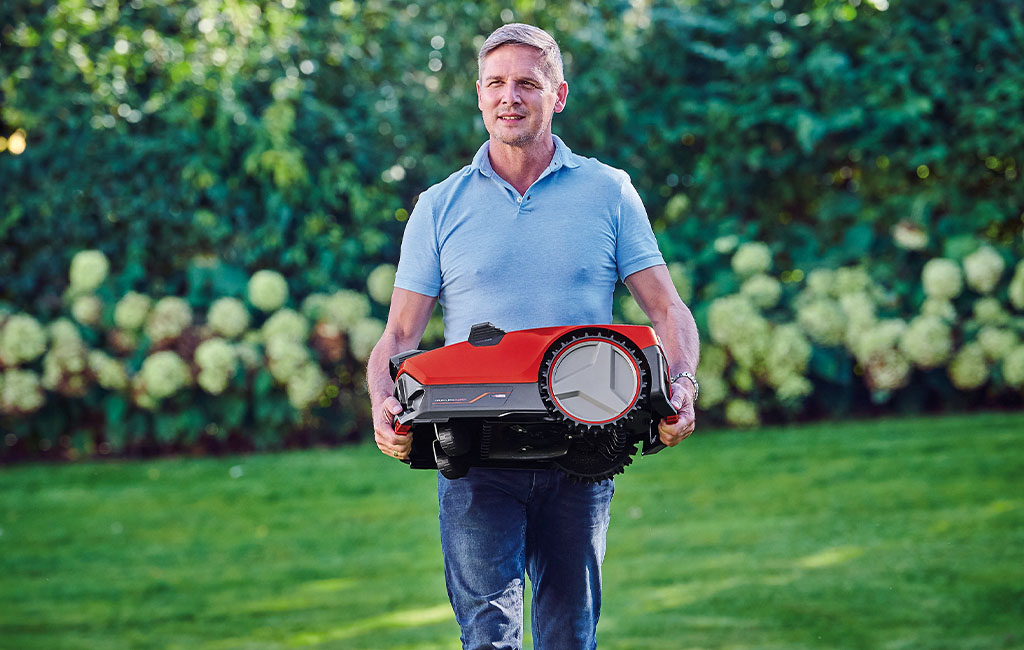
(577,398)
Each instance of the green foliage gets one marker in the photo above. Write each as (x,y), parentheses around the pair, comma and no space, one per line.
(197,143)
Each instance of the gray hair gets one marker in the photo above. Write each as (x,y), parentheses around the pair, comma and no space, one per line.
(522,34)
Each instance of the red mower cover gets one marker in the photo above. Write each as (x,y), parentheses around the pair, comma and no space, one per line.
(578,398)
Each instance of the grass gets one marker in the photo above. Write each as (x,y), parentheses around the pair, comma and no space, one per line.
(897,533)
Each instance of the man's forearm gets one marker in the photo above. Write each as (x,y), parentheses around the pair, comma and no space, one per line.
(678,333)
(379,384)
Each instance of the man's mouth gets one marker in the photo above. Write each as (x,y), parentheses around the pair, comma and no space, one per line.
(510,118)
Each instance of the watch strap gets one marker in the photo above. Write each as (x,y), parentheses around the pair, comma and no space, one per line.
(693,380)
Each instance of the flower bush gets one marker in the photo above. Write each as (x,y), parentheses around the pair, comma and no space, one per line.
(775,347)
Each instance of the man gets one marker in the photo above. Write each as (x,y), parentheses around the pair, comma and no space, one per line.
(528,235)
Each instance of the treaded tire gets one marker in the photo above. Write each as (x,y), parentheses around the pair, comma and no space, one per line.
(453,444)
(450,468)
(601,449)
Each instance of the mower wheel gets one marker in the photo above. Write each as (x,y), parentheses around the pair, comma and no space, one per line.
(453,444)
(450,468)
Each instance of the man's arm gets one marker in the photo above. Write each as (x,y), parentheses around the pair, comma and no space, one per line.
(657,296)
(410,312)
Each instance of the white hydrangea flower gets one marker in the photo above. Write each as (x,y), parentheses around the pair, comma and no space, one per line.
(821,282)
(763,290)
(713,360)
(888,371)
(884,335)
(216,355)
(910,236)
(1013,368)
(713,391)
(109,372)
(726,244)
(742,379)
(286,322)
(742,413)
(163,374)
(823,320)
(268,290)
(885,367)
(306,386)
(87,309)
(942,278)
(285,356)
(939,308)
(788,356)
(63,331)
(168,319)
(793,388)
(1016,289)
(381,283)
(66,364)
(989,311)
(734,322)
(859,309)
(131,311)
(851,279)
(363,336)
(228,317)
(20,392)
(22,340)
(88,271)
(343,309)
(928,342)
(983,268)
(997,342)
(313,305)
(968,370)
(751,258)
(140,396)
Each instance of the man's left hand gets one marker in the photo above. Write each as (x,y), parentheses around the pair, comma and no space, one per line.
(682,402)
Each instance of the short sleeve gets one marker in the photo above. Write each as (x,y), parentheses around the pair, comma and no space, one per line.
(635,245)
(419,267)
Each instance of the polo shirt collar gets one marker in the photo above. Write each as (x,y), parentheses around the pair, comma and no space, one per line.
(564,157)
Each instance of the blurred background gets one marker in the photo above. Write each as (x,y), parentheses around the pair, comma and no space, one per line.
(202,203)
(201,207)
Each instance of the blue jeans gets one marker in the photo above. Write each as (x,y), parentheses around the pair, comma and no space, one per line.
(496,523)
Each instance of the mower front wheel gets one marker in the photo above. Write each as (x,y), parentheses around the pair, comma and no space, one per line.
(453,444)
(450,468)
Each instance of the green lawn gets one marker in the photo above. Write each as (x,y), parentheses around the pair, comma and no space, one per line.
(898,533)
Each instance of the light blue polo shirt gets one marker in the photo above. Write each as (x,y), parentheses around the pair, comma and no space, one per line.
(545,258)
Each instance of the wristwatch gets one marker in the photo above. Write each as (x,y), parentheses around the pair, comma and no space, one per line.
(693,380)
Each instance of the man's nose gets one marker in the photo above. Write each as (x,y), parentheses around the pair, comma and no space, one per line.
(511,94)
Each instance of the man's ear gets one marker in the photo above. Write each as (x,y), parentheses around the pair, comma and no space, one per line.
(563,93)
(479,104)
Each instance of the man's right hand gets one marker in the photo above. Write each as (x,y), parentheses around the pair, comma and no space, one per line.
(390,443)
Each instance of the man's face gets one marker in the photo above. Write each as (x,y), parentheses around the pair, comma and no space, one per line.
(516,98)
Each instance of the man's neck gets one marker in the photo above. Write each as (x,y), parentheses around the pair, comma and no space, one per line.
(521,166)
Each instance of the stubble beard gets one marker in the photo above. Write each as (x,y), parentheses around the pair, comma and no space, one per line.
(520,141)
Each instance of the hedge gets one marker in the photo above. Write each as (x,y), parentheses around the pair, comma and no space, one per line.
(195,144)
